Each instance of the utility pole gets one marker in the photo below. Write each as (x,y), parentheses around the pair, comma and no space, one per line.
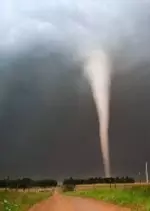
(146,172)
(140,177)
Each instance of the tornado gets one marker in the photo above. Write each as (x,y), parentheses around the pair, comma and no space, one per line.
(97,70)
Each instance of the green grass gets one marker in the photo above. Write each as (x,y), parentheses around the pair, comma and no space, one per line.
(23,201)
(137,198)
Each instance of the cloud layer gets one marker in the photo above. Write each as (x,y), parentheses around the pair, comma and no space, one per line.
(46,105)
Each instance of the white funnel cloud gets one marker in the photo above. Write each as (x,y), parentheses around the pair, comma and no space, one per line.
(97,68)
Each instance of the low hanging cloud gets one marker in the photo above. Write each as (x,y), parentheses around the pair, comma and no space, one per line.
(76,25)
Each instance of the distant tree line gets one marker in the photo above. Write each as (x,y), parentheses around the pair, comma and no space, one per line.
(96,180)
(27,183)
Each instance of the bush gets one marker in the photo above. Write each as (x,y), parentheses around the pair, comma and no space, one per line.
(10,206)
(68,187)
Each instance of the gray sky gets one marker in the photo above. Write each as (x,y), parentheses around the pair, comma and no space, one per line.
(48,120)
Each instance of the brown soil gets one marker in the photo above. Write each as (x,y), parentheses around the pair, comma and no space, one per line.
(60,202)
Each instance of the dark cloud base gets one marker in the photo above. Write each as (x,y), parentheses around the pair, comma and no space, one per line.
(49,127)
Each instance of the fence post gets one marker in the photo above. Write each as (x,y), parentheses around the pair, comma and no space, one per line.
(110,184)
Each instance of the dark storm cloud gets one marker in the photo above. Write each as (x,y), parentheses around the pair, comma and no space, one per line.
(48,121)
(41,117)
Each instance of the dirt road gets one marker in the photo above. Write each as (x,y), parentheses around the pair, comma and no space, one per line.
(60,202)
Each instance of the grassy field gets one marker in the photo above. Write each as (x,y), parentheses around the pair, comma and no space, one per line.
(136,197)
(20,201)
(107,186)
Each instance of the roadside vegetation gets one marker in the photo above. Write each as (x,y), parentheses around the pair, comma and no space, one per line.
(20,201)
(136,197)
